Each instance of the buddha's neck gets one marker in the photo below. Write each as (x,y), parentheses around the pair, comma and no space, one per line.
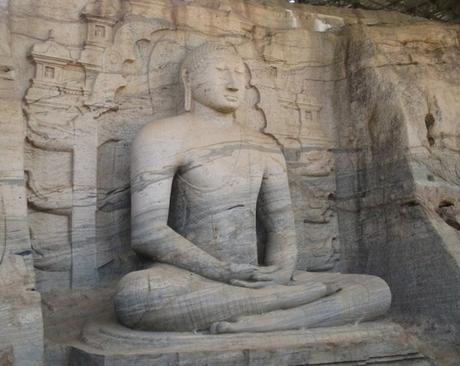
(211,115)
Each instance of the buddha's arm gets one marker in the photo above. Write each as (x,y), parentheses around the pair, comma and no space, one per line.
(276,213)
(154,163)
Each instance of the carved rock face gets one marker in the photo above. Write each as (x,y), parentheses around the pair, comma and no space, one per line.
(219,82)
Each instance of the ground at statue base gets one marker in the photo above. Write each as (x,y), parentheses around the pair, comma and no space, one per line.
(106,343)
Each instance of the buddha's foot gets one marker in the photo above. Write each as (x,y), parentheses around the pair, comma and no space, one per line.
(275,320)
(222,327)
(332,288)
(251,323)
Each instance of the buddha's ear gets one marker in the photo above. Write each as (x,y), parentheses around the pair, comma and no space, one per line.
(185,76)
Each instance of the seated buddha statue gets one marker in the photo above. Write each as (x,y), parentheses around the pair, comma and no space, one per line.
(200,183)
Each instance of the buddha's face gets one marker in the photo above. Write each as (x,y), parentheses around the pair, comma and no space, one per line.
(219,82)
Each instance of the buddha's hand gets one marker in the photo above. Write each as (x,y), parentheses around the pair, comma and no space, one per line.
(247,272)
(282,276)
(261,277)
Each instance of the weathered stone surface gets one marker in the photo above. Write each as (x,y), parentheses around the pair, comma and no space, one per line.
(363,105)
(396,165)
(201,183)
(21,325)
(376,343)
(134,70)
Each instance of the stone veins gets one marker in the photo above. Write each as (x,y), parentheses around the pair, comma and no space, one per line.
(200,183)
(362,103)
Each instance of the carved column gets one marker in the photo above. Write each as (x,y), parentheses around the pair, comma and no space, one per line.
(72,88)
(84,271)
(51,100)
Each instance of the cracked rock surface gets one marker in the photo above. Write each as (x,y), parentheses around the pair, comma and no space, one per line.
(363,105)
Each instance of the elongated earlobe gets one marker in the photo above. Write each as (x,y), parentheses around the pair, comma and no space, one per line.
(187,90)
(187,100)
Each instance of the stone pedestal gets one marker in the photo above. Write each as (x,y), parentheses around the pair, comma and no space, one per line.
(373,343)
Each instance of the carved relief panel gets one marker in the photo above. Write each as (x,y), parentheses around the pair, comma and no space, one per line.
(84,108)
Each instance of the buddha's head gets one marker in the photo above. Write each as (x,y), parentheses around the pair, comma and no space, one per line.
(214,75)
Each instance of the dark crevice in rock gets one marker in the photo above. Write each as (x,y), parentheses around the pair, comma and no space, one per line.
(24,253)
(429,123)
(233,207)
(447,212)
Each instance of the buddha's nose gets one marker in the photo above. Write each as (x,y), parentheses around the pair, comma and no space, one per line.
(232,85)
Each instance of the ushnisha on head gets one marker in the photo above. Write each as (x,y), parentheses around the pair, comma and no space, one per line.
(214,76)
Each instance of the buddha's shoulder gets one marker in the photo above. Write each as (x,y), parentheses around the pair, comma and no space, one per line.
(167,130)
(260,138)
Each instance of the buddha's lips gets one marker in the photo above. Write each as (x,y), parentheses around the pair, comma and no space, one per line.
(231,98)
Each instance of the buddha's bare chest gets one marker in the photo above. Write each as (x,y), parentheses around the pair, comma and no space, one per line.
(219,170)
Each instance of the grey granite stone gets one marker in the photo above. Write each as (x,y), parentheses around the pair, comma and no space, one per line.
(363,106)
(373,343)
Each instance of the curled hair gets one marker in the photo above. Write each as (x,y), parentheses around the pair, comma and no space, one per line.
(195,58)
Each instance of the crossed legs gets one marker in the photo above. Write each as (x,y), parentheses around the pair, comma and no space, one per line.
(166,298)
(361,298)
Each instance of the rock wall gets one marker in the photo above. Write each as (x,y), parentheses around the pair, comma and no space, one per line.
(399,142)
(21,324)
(363,105)
(114,68)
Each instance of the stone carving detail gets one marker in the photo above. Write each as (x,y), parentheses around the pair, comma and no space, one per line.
(326,94)
(278,103)
(295,118)
(70,92)
(50,58)
(21,322)
(101,17)
(199,183)
(59,93)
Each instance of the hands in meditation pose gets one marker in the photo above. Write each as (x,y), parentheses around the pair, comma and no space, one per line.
(199,182)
